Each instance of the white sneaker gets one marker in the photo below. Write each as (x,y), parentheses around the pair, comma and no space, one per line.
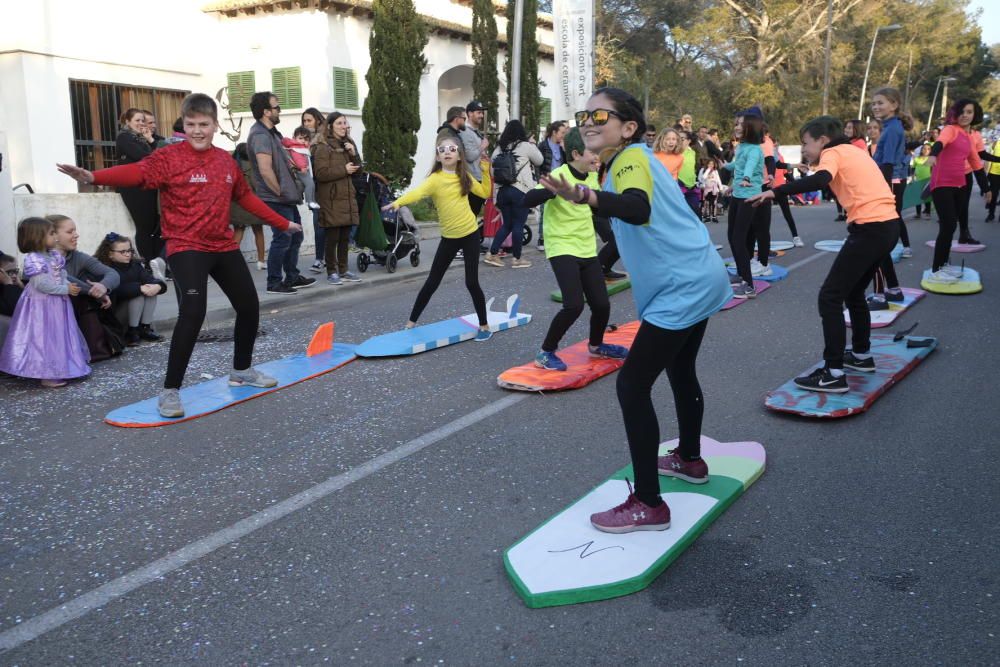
(766,271)
(261,266)
(942,276)
(952,270)
(158,268)
(797,242)
(758,269)
(907,253)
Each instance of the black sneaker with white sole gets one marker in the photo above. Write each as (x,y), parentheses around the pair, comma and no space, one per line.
(301,282)
(281,288)
(823,380)
(857,363)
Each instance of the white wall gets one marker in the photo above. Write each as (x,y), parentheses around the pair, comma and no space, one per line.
(8,219)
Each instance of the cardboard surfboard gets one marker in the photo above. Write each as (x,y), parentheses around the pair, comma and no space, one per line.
(883,318)
(969,283)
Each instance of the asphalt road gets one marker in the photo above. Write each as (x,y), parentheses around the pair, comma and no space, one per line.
(869,540)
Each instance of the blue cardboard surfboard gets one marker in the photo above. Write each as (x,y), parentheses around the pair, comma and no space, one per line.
(322,356)
(777,272)
(441,334)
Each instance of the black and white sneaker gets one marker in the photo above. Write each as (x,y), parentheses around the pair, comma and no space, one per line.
(857,363)
(822,380)
(877,302)
(302,282)
(281,288)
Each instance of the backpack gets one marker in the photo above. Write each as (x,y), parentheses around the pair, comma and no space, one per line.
(505,166)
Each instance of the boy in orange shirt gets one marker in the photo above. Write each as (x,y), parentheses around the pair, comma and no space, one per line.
(873,230)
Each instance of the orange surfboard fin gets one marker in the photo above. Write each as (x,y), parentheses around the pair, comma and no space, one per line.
(322,340)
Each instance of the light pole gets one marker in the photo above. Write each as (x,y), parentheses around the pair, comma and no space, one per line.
(864,85)
(941,78)
(515,61)
(826,57)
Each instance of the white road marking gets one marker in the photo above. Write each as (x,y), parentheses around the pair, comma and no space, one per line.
(38,625)
(810,258)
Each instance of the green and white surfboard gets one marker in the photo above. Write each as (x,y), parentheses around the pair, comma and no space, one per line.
(566,560)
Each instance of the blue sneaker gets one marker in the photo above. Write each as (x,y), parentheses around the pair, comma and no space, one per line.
(482,336)
(549,361)
(334,279)
(608,351)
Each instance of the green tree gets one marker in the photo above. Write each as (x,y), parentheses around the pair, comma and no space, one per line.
(485,80)
(391,112)
(530,92)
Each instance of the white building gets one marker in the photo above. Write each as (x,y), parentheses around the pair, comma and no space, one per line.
(69,68)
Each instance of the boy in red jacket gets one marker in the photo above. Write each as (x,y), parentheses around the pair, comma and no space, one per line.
(197,181)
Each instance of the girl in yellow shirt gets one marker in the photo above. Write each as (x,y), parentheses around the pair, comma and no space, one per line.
(449,185)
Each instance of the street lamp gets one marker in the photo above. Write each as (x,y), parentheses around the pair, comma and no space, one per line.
(941,78)
(864,85)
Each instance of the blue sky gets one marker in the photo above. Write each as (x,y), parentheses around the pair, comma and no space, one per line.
(989,22)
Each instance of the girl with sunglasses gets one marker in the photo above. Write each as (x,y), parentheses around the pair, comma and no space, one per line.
(137,290)
(678,281)
(448,185)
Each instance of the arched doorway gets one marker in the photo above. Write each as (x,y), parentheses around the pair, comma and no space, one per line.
(454,89)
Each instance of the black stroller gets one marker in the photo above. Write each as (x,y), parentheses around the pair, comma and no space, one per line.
(398,229)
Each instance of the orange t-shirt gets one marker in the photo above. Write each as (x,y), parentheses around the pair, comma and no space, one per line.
(672,161)
(859,185)
(767,146)
(978,145)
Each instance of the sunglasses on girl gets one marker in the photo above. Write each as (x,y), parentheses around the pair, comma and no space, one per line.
(599,116)
(447,148)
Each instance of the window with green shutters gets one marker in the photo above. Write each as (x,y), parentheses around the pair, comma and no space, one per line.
(544,112)
(286,84)
(345,88)
(240,87)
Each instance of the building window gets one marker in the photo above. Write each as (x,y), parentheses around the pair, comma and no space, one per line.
(345,88)
(544,113)
(240,88)
(96,108)
(286,85)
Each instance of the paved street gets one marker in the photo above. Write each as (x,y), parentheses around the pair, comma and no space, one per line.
(870,540)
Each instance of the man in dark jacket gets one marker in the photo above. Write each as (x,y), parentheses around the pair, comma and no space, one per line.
(454,122)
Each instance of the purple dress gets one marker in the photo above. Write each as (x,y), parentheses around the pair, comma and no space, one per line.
(44,341)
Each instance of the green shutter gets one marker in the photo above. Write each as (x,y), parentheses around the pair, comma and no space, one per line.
(286,84)
(240,86)
(544,112)
(345,88)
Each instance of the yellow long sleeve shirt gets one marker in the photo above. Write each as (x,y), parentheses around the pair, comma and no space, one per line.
(454,214)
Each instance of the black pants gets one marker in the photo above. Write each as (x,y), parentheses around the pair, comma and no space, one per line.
(995,190)
(443,257)
(851,272)
(608,255)
(741,239)
(191,271)
(653,351)
(708,205)
(963,210)
(948,202)
(926,206)
(885,276)
(578,277)
(760,233)
(786,211)
(475,203)
(143,208)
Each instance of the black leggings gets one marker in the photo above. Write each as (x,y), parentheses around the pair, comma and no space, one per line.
(608,255)
(708,205)
(760,232)
(963,210)
(654,350)
(741,240)
(948,202)
(191,270)
(995,190)
(578,277)
(885,276)
(851,272)
(786,211)
(446,251)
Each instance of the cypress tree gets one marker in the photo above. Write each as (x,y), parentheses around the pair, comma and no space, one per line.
(485,80)
(530,93)
(391,112)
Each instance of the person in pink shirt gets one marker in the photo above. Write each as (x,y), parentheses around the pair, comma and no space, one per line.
(949,155)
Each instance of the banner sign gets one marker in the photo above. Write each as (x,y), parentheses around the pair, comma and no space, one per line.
(573,21)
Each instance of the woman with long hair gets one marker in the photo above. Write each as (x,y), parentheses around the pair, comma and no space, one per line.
(313,120)
(510,196)
(338,207)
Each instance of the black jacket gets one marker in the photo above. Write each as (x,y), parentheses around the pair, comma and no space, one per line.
(133,276)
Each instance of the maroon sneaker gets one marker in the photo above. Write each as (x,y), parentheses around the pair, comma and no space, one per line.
(632,515)
(672,465)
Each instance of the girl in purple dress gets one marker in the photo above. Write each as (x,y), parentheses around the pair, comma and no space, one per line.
(44,341)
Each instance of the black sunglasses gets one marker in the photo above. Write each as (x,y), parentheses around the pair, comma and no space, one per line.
(599,116)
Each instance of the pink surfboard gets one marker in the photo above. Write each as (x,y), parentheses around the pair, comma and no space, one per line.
(760,285)
(962,247)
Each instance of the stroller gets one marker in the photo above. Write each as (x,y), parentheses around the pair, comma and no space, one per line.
(388,235)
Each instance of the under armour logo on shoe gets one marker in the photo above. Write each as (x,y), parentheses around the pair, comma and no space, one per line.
(675,465)
(640,515)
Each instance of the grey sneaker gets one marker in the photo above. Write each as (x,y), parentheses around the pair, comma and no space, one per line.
(158,268)
(169,403)
(350,277)
(251,377)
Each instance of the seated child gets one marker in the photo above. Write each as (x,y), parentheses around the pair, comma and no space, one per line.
(138,288)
